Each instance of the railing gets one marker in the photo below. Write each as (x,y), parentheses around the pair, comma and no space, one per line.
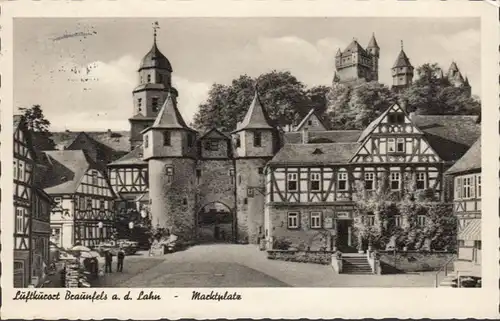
(443,269)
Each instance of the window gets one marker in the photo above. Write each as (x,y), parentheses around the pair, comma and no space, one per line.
(395,179)
(369,180)
(212,145)
(342,181)
(94,177)
(89,203)
(154,104)
(139,103)
(477,244)
(397,220)
(101,204)
(149,78)
(400,146)
(19,220)
(391,145)
(239,179)
(257,139)
(370,220)
(260,170)
(316,220)
(309,122)
(421,220)
(293,220)
(169,172)
(238,141)
(231,172)
(184,201)
(396,118)
(467,187)
(315,182)
(57,201)
(420,181)
(160,78)
(198,173)
(15,169)
(292,182)
(461,243)
(458,188)
(478,186)
(146,140)
(245,201)
(166,138)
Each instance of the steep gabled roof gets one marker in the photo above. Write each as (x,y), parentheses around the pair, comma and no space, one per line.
(256,116)
(221,134)
(402,60)
(67,168)
(135,157)
(169,116)
(314,154)
(117,140)
(354,46)
(471,161)
(306,118)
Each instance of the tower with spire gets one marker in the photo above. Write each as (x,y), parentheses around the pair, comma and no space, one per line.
(170,150)
(357,63)
(402,71)
(155,84)
(255,142)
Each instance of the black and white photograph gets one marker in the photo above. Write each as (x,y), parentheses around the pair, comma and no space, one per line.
(223,153)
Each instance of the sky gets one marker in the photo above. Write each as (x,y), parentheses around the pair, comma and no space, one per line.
(82,71)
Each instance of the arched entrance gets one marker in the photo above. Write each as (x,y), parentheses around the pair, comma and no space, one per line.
(215,223)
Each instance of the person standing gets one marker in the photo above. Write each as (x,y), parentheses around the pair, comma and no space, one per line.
(108,259)
(121,258)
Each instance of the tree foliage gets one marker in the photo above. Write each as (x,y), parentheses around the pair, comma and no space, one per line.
(385,206)
(38,125)
(286,99)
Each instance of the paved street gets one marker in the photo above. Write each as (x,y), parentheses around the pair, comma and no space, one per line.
(242,266)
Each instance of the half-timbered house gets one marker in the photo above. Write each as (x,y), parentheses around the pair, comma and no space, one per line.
(31,211)
(310,182)
(466,173)
(83,212)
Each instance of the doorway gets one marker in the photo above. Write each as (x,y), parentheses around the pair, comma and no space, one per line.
(215,224)
(344,236)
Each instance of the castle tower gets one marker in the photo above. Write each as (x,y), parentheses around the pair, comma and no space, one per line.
(467,86)
(456,79)
(155,84)
(374,50)
(402,71)
(170,150)
(356,63)
(255,141)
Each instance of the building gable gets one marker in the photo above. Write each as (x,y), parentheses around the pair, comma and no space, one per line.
(393,137)
(311,122)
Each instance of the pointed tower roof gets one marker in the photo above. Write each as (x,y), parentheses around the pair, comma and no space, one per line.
(466,81)
(256,117)
(154,58)
(453,67)
(169,117)
(373,42)
(402,60)
(336,77)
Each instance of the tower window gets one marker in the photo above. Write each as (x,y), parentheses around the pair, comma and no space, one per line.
(260,170)
(190,140)
(238,141)
(166,138)
(231,172)
(149,78)
(139,103)
(154,104)
(160,78)
(146,141)
(169,172)
(257,139)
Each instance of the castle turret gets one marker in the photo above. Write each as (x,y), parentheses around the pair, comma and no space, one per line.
(170,150)
(155,84)
(374,50)
(255,142)
(402,71)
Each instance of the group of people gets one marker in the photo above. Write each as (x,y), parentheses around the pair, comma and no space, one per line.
(108,259)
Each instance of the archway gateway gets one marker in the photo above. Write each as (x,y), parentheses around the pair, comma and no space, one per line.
(215,223)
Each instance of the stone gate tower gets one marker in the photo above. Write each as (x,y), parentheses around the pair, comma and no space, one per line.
(402,71)
(256,141)
(170,150)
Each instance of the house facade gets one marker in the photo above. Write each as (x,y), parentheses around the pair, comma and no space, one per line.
(31,211)
(83,210)
(466,173)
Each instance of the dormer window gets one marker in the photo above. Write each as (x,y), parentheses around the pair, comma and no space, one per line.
(257,139)
(166,138)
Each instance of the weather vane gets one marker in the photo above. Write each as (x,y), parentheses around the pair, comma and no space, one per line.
(156,26)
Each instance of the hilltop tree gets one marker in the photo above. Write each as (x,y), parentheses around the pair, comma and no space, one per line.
(39,126)
(284,97)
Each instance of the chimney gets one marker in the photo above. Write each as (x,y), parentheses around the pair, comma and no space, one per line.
(305,136)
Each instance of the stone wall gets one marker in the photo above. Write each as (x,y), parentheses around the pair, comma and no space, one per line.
(304,236)
(316,257)
(413,261)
